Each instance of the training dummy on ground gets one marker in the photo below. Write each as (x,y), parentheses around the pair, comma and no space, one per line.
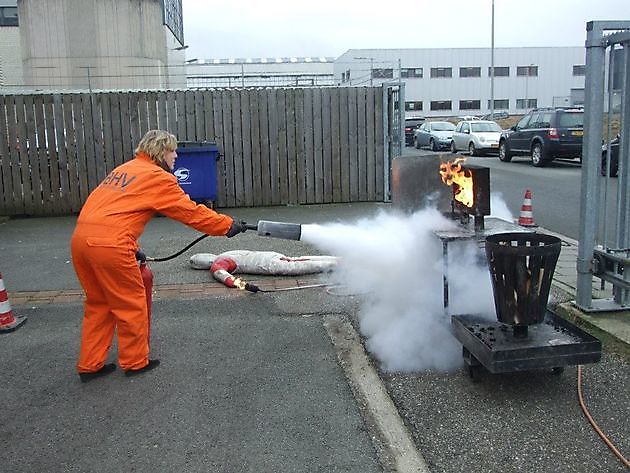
(259,262)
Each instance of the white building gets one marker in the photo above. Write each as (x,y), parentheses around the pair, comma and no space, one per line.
(259,72)
(456,81)
(10,51)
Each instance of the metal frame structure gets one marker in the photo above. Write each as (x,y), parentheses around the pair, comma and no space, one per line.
(597,256)
(393,129)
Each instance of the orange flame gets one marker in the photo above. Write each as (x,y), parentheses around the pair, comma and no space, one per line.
(452,173)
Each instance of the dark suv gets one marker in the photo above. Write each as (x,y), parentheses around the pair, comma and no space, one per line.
(411,123)
(545,134)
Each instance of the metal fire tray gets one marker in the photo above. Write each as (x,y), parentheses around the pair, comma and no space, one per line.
(555,343)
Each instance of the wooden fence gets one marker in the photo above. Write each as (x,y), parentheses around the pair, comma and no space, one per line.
(278,146)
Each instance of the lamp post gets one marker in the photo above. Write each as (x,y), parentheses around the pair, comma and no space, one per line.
(492,66)
(371,66)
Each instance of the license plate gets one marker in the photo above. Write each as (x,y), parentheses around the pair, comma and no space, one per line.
(577,133)
(494,145)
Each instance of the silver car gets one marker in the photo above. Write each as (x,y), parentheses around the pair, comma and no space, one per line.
(435,135)
(476,136)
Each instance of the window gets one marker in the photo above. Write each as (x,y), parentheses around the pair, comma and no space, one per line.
(530,70)
(172,13)
(522,123)
(523,104)
(579,70)
(347,76)
(470,72)
(470,104)
(441,72)
(411,73)
(441,105)
(503,71)
(500,104)
(411,106)
(8,16)
(382,73)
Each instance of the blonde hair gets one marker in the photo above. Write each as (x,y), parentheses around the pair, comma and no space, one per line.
(156,143)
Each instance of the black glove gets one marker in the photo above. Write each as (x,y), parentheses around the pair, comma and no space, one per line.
(140,256)
(238,226)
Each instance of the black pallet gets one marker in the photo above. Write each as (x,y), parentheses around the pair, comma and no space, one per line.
(554,344)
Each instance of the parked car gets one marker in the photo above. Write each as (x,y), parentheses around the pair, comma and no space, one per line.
(435,135)
(613,170)
(411,123)
(476,136)
(545,134)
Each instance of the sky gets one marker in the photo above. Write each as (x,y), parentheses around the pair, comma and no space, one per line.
(299,28)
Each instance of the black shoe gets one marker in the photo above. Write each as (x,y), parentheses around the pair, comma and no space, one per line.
(152,364)
(106,369)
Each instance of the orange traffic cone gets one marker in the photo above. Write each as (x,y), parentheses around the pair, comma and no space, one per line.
(526,218)
(8,322)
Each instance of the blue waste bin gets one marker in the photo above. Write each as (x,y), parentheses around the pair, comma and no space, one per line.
(196,169)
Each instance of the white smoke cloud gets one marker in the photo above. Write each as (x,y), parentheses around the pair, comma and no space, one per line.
(395,262)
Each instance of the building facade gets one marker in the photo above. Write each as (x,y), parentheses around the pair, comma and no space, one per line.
(99,44)
(457,81)
(260,72)
(10,50)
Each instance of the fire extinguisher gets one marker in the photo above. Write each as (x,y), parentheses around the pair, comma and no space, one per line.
(147,279)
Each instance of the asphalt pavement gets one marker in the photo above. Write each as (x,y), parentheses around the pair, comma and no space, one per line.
(278,381)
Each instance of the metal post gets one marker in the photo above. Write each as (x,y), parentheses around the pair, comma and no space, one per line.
(492,67)
(591,152)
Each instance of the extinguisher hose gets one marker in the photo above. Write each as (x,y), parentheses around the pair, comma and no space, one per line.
(175,255)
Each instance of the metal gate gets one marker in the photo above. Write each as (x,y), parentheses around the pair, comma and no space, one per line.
(393,129)
(604,246)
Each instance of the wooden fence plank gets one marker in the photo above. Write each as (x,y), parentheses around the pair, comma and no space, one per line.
(171,114)
(199,116)
(335,144)
(246,157)
(73,175)
(344,152)
(263,120)
(78,122)
(318,164)
(191,125)
(277,100)
(180,110)
(362,144)
(118,145)
(292,157)
(352,144)
(43,157)
(62,156)
(143,114)
(378,140)
(217,126)
(327,171)
(307,140)
(152,104)
(88,135)
(237,148)
(208,115)
(108,139)
(26,139)
(15,155)
(230,197)
(255,100)
(134,119)
(9,201)
(162,115)
(125,128)
(370,145)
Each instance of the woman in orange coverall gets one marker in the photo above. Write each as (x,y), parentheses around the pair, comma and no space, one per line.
(104,245)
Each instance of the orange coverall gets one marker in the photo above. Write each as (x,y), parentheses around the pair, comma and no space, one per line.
(104,244)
